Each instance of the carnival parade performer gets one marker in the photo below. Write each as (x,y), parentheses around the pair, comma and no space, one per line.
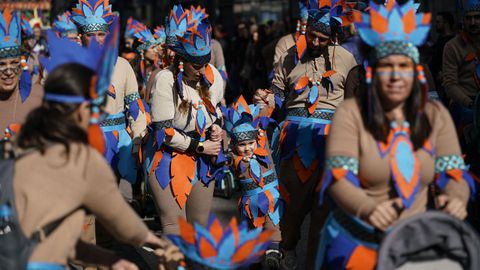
(17,94)
(123,103)
(387,145)
(260,203)
(70,175)
(309,83)
(187,139)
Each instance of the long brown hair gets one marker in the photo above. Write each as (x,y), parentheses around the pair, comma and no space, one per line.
(52,121)
(203,91)
(375,119)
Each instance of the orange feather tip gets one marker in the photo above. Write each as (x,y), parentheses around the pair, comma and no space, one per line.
(187,231)
(95,138)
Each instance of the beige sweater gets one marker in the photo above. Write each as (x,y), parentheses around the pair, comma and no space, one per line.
(165,106)
(50,186)
(125,83)
(348,137)
(458,73)
(13,111)
(284,43)
(287,74)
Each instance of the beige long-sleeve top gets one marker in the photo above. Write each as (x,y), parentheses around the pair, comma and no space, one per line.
(349,138)
(284,43)
(14,111)
(166,102)
(125,84)
(287,73)
(458,74)
(49,187)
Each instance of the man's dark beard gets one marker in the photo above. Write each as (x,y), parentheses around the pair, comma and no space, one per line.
(317,51)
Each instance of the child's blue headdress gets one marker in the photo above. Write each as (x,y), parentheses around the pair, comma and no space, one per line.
(242,121)
(64,25)
(218,247)
(93,15)
(10,35)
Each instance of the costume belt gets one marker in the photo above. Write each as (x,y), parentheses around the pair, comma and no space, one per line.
(354,228)
(320,116)
(114,122)
(248,185)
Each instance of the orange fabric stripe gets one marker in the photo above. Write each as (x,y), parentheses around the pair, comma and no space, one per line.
(378,22)
(283,133)
(206,249)
(187,231)
(456,174)
(182,169)
(409,23)
(271,202)
(156,159)
(244,251)
(216,231)
(233,226)
(362,258)
(303,173)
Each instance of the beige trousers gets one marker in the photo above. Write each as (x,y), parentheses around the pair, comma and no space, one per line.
(197,208)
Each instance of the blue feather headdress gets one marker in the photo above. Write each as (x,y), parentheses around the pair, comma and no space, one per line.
(64,25)
(393,29)
(160,34)
(26,28)
(218,247)
(189,34)
(325,16)
(242,121)
(144,36)
(93,15)
(10,35)
(129,29)
(472,5)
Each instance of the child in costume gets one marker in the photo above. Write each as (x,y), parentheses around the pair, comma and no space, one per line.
(260,203)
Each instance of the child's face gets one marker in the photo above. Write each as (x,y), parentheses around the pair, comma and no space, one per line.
(246,148)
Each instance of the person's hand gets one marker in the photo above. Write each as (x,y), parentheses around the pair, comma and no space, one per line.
(211,148)
(216,134)
(385,214)
(261,97)
(452,206)
(155,241)
(169,257)
(123,265)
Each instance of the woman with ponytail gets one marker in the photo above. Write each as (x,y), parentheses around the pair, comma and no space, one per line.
(387,146)
(187,134)
(58,176)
